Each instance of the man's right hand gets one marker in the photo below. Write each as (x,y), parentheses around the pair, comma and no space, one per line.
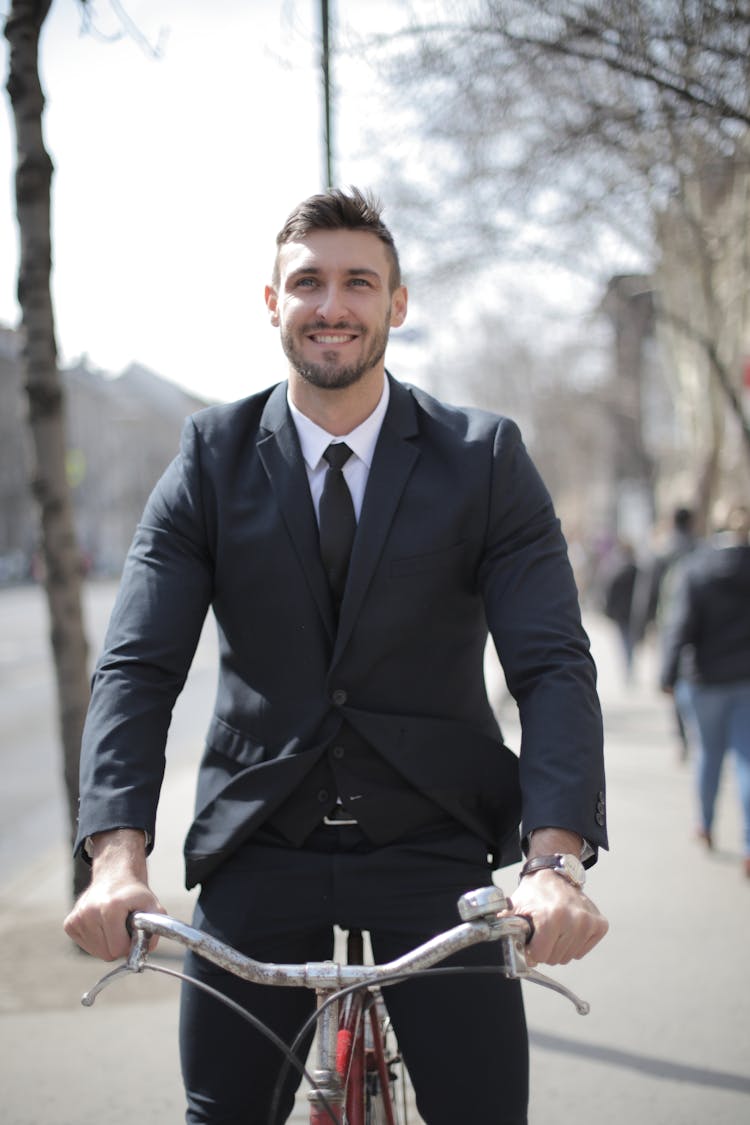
(119,885)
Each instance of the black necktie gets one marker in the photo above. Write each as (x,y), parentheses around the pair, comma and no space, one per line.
(337,520)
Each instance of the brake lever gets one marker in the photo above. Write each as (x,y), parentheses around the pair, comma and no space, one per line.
(135,963)
(490,904)
(89,997)
(517,968)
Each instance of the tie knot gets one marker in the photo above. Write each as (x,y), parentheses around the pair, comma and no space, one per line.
(337,454)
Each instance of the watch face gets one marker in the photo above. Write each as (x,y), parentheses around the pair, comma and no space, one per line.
(573,868)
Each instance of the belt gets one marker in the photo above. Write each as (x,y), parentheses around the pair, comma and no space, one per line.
(338,817)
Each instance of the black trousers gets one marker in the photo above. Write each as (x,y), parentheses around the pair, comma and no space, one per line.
(463,1037)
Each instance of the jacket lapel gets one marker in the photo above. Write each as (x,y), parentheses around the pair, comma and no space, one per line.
(394,460)
(280,453)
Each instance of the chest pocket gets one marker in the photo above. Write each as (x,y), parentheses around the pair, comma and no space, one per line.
(448,559)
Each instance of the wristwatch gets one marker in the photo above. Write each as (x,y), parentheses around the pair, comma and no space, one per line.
(568,866)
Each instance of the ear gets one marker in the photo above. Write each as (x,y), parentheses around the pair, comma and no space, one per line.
(272,304)
(399,303)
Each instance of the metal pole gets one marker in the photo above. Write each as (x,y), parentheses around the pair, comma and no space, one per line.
(325,19)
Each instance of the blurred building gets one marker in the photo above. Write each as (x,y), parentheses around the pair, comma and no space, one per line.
(639,415)
(703,282)
(122,433)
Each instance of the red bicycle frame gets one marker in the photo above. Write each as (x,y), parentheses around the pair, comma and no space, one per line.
(356,1058)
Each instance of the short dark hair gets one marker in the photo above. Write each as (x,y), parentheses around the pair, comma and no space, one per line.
(339,210)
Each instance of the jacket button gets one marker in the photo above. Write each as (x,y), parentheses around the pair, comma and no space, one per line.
(322,796)
(599,818)
(338,751)
(339,697)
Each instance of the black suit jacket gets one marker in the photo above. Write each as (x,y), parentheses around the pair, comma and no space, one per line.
(457,532)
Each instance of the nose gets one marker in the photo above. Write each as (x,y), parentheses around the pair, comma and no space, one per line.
(331,304)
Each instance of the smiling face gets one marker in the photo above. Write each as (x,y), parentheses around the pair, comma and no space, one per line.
(334,307)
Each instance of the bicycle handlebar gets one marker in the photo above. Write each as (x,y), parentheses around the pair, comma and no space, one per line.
(482,922)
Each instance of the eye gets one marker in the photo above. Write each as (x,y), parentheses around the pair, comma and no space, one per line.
(305,283)
(359,281)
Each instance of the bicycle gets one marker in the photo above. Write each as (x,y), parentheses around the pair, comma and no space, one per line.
(355,1072)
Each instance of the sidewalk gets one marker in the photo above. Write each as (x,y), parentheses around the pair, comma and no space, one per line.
(668,1038)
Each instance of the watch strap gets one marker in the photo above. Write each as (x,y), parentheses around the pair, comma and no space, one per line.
(567,866)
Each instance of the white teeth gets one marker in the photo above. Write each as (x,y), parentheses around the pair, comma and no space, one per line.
(332,339)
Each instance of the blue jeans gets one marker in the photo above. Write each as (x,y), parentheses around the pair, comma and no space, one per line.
(719,715)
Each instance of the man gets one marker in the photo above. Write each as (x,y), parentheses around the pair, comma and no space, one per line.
(709,619)
(653,575)
(354,772)
(654,591)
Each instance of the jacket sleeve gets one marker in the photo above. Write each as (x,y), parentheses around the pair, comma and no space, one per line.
(533,613)
(153,632)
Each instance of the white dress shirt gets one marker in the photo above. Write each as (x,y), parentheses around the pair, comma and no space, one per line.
(362,441)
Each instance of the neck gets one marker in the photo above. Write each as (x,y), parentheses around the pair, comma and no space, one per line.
(338,411)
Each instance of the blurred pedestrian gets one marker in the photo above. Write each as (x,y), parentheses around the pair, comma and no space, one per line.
(618,584)
(653,592)
(652,585)
(710,617)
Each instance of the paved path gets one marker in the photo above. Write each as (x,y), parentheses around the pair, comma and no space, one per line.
(668,1038)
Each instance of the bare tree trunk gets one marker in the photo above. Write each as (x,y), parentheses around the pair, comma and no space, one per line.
(62,560)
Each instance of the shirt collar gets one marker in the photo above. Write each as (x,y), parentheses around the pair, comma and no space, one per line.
(314,440)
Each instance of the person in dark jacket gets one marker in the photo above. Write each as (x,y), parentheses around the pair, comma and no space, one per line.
(710,617)
(619,584)
(355,539)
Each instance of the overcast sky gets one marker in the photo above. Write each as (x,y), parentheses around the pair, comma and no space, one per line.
(173,176)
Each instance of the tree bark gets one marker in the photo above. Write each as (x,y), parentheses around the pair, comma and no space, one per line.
(46,408)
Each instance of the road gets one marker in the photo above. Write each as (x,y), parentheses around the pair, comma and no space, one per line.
(668,1038)
(32,805)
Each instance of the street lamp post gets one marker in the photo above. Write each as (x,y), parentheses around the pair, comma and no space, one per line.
(325,20)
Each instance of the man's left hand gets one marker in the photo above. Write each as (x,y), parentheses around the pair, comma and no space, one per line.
(567,924)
